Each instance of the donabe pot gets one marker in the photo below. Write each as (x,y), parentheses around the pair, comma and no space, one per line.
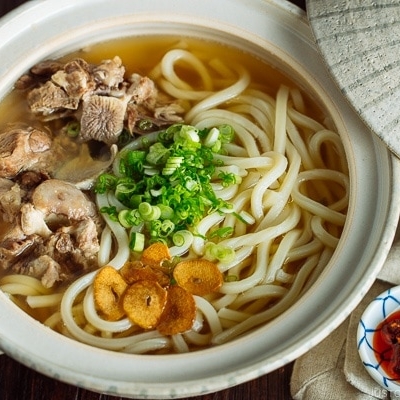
(277,32)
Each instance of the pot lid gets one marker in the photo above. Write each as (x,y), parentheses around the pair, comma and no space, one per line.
(359,42)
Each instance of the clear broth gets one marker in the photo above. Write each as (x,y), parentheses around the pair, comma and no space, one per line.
(140,55)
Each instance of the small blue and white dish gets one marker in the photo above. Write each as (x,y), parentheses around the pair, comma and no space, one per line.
(386,306)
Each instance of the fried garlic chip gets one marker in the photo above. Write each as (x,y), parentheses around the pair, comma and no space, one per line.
(198,276)
(128,269)
(134,271)
(155,254)
(108,288)
(144,302)
(179,312)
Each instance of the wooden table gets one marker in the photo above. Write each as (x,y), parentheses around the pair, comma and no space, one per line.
(20,383)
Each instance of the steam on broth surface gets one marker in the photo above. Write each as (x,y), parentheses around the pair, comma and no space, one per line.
(269,224)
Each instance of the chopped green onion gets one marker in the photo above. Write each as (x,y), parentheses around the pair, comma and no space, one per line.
(137,241)
(156,192)
(111,212)
(135,200)
(166,228)
(149,212)
(211,137)
(129,218)
(106,182)
(124,190)
(168,171)
(216,148)
(166,211)
(134,157)
(187,132)
(247,217)
(123,218)
(157,154)
(221,232)
(150,171)
(190,184)
(73,128)
(182,237)
(227,209)
(174,161)
(229,175)
(161,229)
(182,241)
(226,133)
(213,251)
(172,164)
(166,183)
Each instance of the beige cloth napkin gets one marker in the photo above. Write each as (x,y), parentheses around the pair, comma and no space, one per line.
(333,370)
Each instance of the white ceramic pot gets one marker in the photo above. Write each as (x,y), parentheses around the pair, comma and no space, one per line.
(278,32)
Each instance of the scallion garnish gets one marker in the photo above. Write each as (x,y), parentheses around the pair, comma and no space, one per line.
(166,185)
(137,241)
(214,251)
(73,129)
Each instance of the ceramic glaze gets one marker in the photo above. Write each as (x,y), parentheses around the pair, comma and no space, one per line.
(379,309)
(277,32)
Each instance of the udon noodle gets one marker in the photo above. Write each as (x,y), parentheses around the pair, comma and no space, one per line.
(294,190)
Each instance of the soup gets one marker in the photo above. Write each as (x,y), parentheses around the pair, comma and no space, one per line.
(203,198)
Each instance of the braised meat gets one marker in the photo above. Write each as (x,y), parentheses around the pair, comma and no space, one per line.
(55,231)
(101,100)
(21,149)
(49,224)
